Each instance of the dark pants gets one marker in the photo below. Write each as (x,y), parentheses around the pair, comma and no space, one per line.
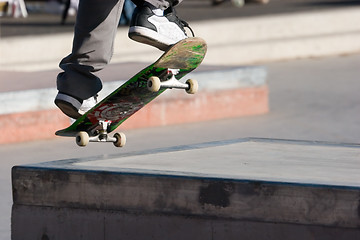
(94,34)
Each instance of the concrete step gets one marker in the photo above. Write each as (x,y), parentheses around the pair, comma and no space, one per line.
(230,41)
(254,188)
(223,93)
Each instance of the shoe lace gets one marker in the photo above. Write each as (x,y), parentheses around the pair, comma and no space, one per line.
(171,13)
(185,24)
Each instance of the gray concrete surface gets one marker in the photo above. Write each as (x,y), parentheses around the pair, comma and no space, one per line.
(269,161)
(312,99)
(252,180)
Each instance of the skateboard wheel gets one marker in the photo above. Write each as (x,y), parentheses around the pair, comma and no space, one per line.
(193,86)
(153,84)
(120,139)
(82,139)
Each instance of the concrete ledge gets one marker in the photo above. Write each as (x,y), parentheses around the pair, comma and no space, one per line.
(189,185)
(281,37)
(242,41)
(28,126)
(74,224)
(31,115)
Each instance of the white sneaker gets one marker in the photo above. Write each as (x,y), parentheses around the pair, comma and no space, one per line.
(73,107)
(87,105)
(161,31)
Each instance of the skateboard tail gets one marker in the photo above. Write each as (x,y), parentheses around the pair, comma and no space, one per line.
(185,55)
(66,133)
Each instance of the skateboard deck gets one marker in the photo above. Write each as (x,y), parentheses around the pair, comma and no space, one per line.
(113,110)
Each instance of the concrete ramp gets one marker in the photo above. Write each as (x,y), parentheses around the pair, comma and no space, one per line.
(236,189)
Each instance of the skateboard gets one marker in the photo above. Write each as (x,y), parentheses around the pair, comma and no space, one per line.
(96,124)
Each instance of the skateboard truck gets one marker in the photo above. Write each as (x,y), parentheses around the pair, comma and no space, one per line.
(154,83)
(100,134)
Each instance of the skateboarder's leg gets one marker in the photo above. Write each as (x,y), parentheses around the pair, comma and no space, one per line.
(94,34)
(95,30)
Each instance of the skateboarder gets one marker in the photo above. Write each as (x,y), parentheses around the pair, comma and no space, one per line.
(154,22)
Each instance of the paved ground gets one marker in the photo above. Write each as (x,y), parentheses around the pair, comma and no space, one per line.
(314,99)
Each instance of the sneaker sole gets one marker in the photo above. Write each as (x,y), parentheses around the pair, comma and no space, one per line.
(146,36)
(67,109)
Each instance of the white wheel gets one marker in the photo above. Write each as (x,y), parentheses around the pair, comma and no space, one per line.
(193,86)
(82,139)
(120,139)
(153,84)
